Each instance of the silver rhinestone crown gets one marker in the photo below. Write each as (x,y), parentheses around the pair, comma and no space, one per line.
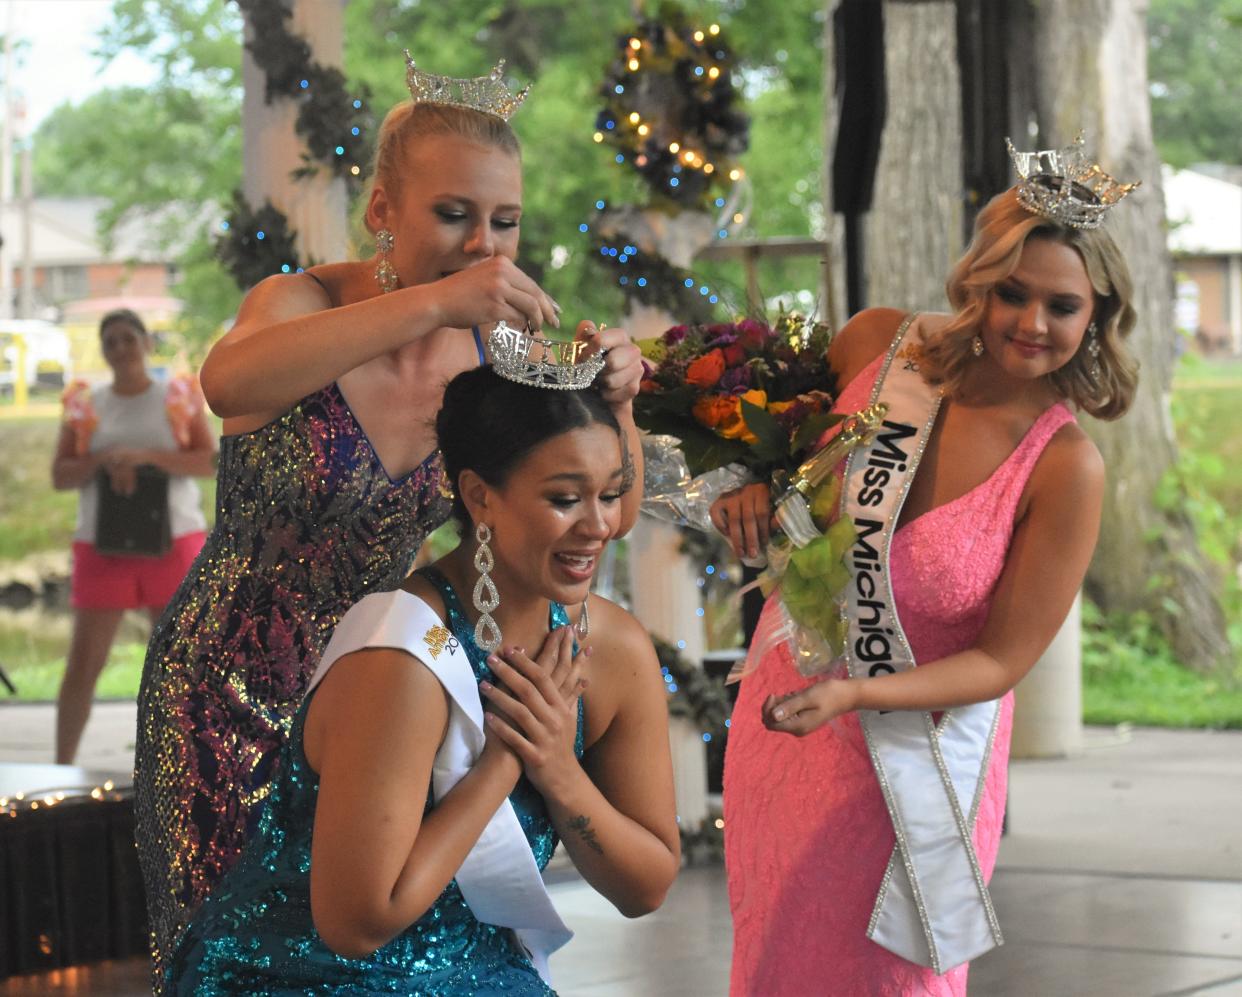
(542,363)
(1061,185)
(480,93)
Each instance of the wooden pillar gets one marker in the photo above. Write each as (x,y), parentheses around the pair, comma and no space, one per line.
(316,206)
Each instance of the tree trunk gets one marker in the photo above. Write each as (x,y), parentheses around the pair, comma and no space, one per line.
(1092,77)
(914,230)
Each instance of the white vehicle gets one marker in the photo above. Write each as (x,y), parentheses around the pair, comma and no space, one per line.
(46,353)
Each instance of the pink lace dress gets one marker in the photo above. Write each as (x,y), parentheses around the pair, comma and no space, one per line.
(807,834)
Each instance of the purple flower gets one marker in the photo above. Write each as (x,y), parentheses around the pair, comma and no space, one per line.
(674,335)
(736,381)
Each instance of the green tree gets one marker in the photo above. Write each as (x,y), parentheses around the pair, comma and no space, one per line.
(1195,69)
(169,154)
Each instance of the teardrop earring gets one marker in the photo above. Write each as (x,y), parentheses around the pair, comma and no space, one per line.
(486,598)
(385,272)
(976,346)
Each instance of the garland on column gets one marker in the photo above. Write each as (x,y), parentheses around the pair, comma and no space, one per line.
(670,112)
(334,123)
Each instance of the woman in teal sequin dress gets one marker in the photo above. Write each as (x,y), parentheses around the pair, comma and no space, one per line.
(328,482)
(349,884)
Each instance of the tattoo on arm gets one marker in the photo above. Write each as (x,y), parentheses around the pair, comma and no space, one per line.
(628,471)
(582,825)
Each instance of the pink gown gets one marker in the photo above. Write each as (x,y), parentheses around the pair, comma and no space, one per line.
(807,834)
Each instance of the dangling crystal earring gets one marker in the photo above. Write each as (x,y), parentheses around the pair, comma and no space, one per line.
(584,621)
(486,598)
(976,346)
(1093,351)
(385,272)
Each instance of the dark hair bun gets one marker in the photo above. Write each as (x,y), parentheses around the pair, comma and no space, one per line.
(489,424)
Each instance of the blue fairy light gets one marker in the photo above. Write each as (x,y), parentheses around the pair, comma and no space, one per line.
(305,84)
(681,645)
(713,299)
(672,687)
(612,252)
(728,722)
(710,569)
(355,130)
(599,205)
(610,124)
(225,226)
(340,150)
(664,670)
(284,268)
(689,282)
(620,158)
(618,89)
(699,611)
(698,70)
(720,202)
(703,291)
(706,737)
(584,227)
(357,104)
(723,233)
(260,234)
(642,281)
(623,281)
(603,250)
(622,258)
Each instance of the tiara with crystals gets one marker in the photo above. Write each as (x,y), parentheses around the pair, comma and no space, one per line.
(542,363)
(480,93)
(1061,185)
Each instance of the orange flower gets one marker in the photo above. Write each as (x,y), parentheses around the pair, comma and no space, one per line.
(705,371)
(776,408)
(712,410)
(735,427)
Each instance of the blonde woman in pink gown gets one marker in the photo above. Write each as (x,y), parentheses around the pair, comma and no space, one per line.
(989,549)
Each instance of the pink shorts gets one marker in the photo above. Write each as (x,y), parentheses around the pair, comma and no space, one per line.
(101,581)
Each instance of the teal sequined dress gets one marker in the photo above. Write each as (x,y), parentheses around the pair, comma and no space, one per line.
(255,934)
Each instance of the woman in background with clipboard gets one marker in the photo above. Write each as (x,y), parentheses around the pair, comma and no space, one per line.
(132,448)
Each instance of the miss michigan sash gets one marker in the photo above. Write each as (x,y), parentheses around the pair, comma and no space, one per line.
(933,906)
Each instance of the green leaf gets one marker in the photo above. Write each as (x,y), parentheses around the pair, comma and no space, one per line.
(772,443)
(812,428)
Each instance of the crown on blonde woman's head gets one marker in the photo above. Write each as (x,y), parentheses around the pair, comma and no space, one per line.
(542,363)
(1059,184)
(480,93)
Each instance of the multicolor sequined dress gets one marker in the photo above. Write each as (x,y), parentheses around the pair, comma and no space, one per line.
(307,522)
(255,934)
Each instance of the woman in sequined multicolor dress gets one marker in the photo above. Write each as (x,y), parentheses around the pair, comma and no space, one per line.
(328,479)
(351,883)
(987,554)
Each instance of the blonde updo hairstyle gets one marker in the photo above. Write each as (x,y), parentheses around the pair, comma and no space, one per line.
(1001,233)
(408,122)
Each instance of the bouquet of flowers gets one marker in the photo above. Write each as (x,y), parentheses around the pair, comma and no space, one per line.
(742,393)
(755,399)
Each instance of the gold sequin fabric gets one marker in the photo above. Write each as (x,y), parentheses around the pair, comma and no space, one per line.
(307,522)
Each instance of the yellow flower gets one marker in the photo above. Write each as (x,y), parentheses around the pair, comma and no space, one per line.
(735,428)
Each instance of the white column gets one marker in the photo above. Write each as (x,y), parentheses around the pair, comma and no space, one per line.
(316,206)
(1047,719)
(665,597)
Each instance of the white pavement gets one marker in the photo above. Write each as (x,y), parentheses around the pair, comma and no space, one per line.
(1121,876)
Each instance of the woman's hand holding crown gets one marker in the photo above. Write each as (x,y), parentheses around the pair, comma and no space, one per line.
(623,362)
(488,292)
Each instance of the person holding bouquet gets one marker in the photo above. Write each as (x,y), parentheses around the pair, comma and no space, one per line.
(975,510)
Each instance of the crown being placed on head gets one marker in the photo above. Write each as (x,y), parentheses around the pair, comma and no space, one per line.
(542,363)
(481,93)
(1061,185)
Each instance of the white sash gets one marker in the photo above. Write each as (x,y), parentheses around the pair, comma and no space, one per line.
(499,879)
(933,906)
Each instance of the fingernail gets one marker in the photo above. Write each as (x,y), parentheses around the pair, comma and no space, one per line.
(778,714)
(493,660)
(556,305)
(485,685)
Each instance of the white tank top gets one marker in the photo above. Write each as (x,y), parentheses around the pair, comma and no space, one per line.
(138,421)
